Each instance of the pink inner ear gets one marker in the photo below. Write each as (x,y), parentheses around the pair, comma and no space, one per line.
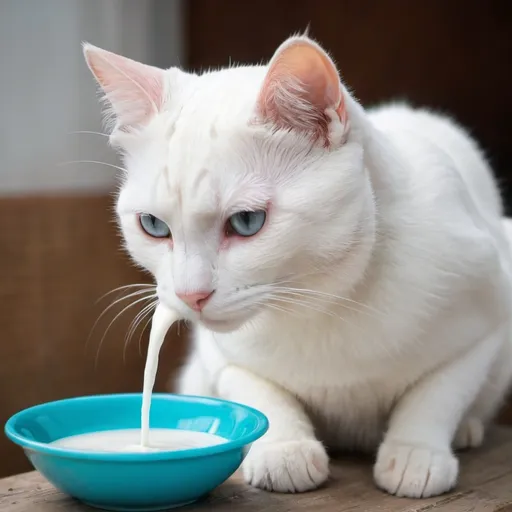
(134,90)
(301,84)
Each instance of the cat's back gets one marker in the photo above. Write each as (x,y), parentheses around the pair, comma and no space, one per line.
(426,138)
(446,190)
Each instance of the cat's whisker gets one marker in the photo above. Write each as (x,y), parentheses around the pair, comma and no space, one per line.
(307,305)
(114,319)
(110,306)
(130,329)
(297,302)
(281,309)
(122,169)
(144,329)
(306,302)
(327,300)
(330,296)
(265,304)
(90,132)
(126,286)
(137,291)
(139,317)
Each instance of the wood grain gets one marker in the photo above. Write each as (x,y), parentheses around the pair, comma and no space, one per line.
(485,486)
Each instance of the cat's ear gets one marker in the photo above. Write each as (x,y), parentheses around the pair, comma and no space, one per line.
(302,91)
(133,90)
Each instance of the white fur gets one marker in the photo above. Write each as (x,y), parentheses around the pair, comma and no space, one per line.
(403,340)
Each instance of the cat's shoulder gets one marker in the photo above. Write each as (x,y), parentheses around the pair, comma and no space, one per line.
(443,187)
(422,134)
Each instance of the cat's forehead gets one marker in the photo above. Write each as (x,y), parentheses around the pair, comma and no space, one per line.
(211,131)
(215,100)
(207,179)
(197,162)
(203,159)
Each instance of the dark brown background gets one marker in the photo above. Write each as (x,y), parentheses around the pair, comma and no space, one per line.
(58,255)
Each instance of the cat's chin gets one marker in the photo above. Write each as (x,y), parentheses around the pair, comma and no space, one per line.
(221,326)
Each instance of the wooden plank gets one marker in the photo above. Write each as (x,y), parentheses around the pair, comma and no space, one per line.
(485,486)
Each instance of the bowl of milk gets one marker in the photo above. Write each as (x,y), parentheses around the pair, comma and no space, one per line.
(90,447)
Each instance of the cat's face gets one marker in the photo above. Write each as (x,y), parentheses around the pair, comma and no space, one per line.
(232,195)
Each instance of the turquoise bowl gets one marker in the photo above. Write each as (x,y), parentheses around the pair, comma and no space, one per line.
(136,481)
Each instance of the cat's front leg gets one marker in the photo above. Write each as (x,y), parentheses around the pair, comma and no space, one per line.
(288,458)
(415,459)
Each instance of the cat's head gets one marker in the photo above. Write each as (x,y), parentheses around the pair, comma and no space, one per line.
(241,185)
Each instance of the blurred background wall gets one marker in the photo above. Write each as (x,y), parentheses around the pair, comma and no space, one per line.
(59,250)
(47,91)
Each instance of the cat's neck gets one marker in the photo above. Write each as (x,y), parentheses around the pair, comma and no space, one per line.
(380,161)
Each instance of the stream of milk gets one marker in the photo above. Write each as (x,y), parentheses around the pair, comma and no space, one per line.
(144,439)
(161,322)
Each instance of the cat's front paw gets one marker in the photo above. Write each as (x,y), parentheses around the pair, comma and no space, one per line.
(414,471)
(286,466)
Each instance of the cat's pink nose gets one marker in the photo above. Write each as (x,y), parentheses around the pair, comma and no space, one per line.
(195,301)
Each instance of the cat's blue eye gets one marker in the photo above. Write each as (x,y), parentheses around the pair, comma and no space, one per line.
(247,223)
(153,226)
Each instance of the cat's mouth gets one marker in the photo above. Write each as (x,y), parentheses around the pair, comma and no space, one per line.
(216,319)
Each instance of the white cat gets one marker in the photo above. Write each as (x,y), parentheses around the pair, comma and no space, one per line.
(348,272)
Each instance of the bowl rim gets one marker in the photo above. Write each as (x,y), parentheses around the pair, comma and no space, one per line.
(258,431)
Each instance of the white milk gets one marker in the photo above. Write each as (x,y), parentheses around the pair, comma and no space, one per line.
(128,441)
(161,322)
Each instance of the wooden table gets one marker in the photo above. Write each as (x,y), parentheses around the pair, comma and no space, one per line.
(485,486)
